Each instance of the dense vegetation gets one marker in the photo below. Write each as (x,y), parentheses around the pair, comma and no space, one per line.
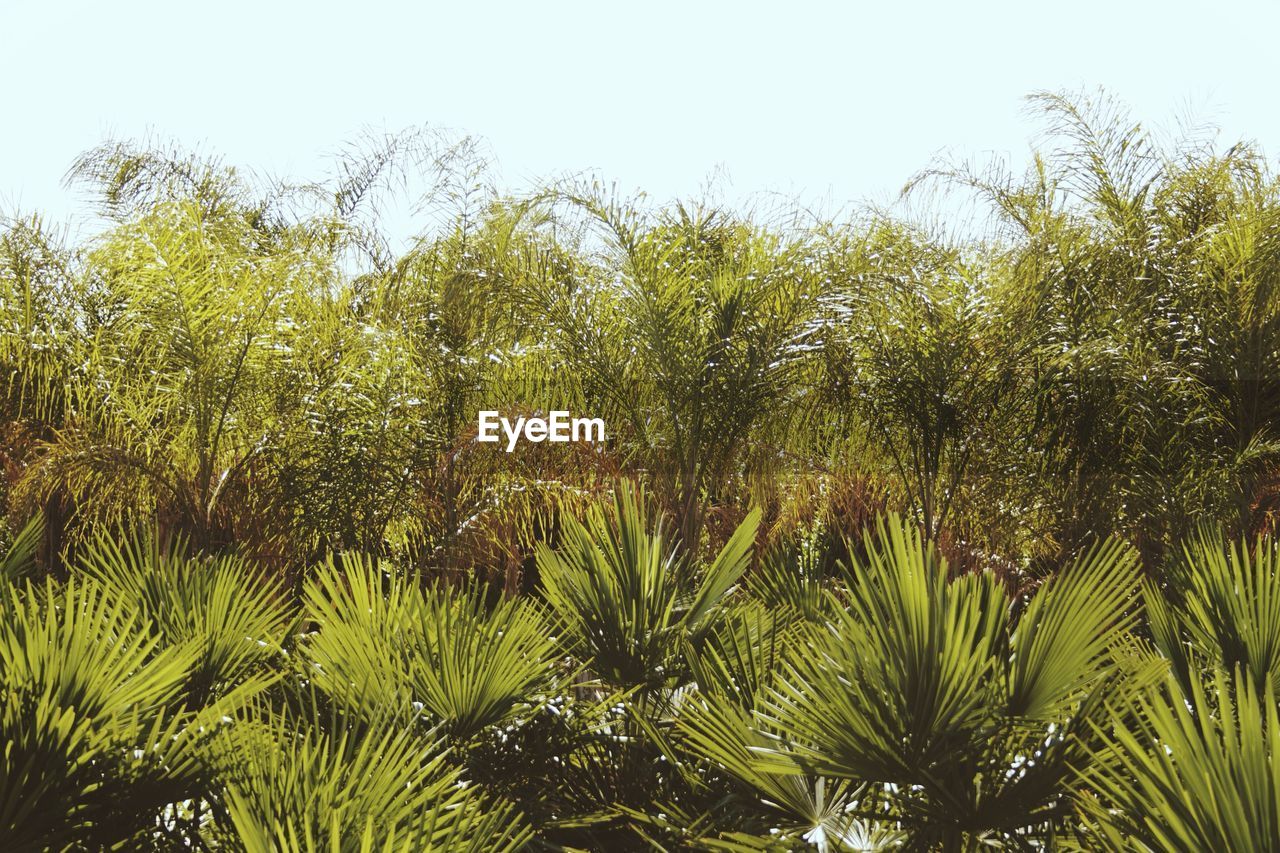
(901,536)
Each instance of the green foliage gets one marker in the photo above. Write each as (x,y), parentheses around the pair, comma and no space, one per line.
(1224,614)
(440,655)
(897,539)
(629,600)
(1193,774)
(20,558)
(94,743)
(234,621)
(696,351)
(292,788)
(933,686)
(920,356)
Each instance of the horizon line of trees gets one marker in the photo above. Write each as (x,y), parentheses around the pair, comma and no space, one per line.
(250,364)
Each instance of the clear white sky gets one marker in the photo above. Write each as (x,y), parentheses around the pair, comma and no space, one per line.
(838,100)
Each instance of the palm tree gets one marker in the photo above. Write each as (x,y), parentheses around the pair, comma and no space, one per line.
(1190,762)
(935,704)
(627,597)
(688,341)
(918,357)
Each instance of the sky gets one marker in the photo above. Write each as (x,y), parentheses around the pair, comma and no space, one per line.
(833,103)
